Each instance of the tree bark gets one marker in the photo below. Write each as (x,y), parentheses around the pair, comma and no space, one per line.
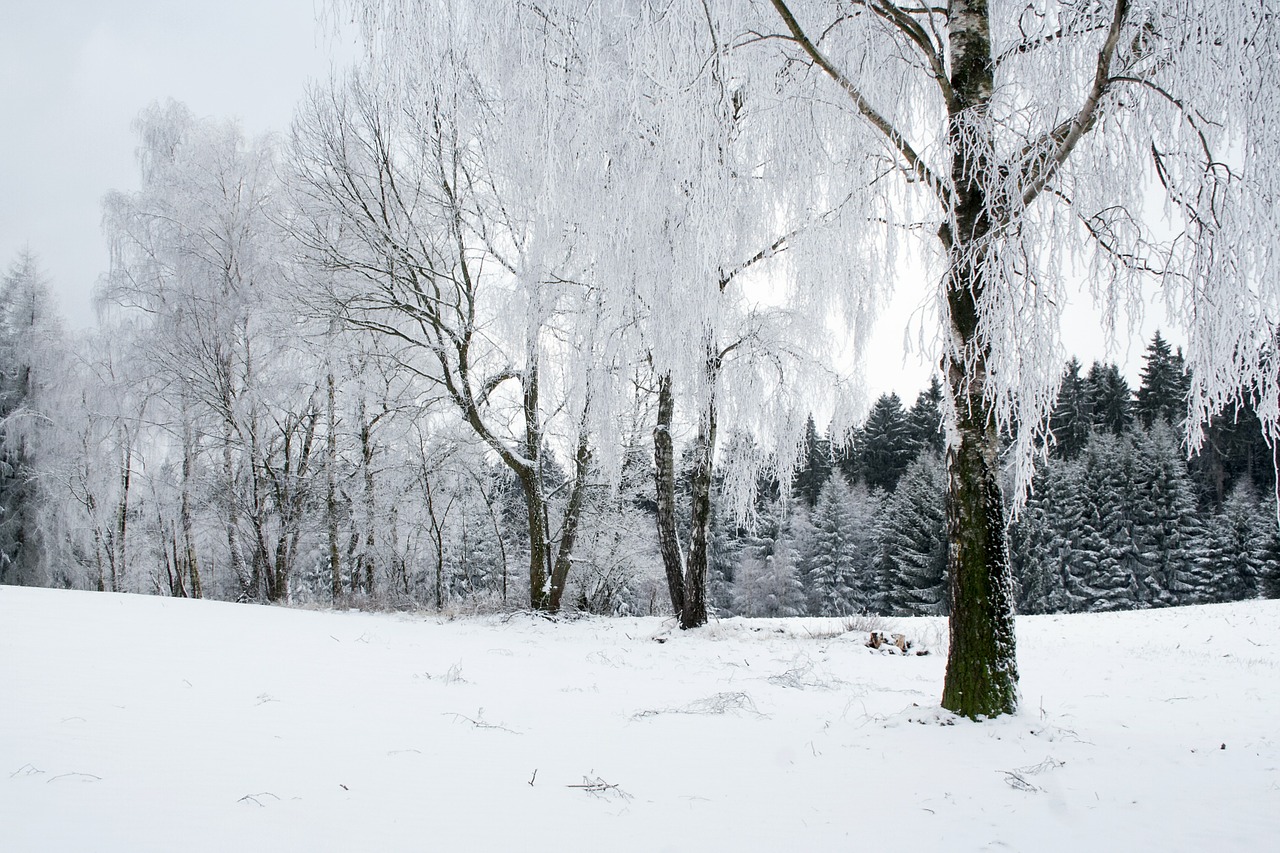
(572,516)
(330,485)
(982,675)
(665,489)
(188,535)
(694,613)
(686,578)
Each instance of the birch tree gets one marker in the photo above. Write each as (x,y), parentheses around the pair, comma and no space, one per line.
(1030,135)
(437,246)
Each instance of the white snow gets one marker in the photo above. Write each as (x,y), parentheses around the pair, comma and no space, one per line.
(152,724)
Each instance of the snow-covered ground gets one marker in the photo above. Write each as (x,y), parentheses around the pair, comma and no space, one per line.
(131,723)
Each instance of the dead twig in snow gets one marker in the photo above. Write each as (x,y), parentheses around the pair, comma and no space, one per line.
(480,722)
(1015,780)
(599,786)
(253,798)
(81,777)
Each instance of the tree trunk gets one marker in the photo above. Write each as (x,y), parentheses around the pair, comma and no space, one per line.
(572,516)
(120,567)
(236,556)
(982,675)
(188,535)
(539,547)
(665,488)
(694,613)
(365,566)
(331,493)
(686,579)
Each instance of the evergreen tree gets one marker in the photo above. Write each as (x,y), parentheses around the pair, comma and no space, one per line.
(767,578)
(924,420)
(838,555)
(1165,526)
(1040,542)
(1072,417)
(1162,393)
(1109,398)
(1234,555)
(885,444)
(28,327)
(814,467)
(1109,563)
(913,547)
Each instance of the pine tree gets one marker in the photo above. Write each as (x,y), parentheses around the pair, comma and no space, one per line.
(1072,417)
(767,579)
(1038,543)
(885,445)
(838,558)
(1162,393)
(913,547)
(1166,528)
(1109,563)
(924,420)
(814,467)
(1109,398)
(1234,554)
(27,327)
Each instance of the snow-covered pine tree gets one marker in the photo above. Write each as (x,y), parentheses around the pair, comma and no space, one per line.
(813,468)
(767,578)
(885,445)
(1032,537)
(913,545)
(1109,563)
(1072,418)
(1110,400)
(1162,391)
(839,554)
(1166,528)
(925,420)
(29,332)
(1233,554)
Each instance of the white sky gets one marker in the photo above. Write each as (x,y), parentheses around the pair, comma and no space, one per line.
(77,72)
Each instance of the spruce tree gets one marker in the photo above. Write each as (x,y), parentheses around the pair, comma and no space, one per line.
(28,325)
(913,547)
(814,467)
(1109,563)
(885,444)
(1166,528)
(1109,398)
(838,557)
(1162,393)
(924,420)
(1234,554)
(1072,417)
(767,579)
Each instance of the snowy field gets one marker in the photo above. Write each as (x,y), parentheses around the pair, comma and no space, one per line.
(152,724)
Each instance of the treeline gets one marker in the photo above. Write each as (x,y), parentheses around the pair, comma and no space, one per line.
(1119,518)
(230,447)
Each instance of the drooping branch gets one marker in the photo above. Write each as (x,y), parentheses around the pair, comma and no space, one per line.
(1066,136)
(896,139)
(910,27)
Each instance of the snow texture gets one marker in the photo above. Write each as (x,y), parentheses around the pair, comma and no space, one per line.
(154,724)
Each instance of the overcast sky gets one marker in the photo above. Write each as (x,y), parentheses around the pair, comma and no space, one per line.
(77,72)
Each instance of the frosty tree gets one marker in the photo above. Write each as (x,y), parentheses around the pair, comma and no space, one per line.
(1021,142)
(1027,137)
